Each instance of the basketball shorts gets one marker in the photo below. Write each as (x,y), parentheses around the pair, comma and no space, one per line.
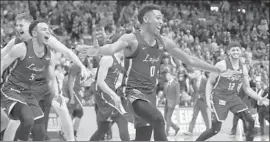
(10,95)
(222,104)
(106,107)
(131,96)
(77,105)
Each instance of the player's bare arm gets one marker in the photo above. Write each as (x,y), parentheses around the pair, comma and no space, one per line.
(211,82)
(175,51)
(7,48)
(58,46)
(250,91)
(17,51)
(71,82)
(105,63)
(125,41)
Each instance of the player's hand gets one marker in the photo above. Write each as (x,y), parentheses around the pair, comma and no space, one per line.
(118,104)
(264,101)
(72,101)
(84,73)
(59,99)
(229,73)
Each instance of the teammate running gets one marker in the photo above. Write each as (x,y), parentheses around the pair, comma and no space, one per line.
(73,88)
(225,96)
(143,51)
(107,77)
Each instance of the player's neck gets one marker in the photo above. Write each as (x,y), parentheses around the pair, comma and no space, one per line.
(234,62)
(37,46)
(148,36)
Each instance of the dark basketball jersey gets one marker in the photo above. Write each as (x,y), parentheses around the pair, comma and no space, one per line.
(31,68)
(142,68)
(78,81)
(112,75)
(228,86)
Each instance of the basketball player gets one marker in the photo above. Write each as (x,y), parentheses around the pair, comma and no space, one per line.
(108,73)
(17,95)
(143,50)
(74,84)
(225,96)
(43,96)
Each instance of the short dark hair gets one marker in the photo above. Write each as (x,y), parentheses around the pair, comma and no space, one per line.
(24,16)
(34,24)
(233,44)
(146,8)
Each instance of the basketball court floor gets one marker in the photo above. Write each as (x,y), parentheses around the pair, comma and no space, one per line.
(88,127)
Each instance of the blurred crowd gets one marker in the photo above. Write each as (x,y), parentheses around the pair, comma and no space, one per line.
(202,29)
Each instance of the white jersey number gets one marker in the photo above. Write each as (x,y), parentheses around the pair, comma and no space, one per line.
(32,77)
(152,71)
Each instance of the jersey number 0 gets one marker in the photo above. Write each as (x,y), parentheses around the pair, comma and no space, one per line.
(152,71)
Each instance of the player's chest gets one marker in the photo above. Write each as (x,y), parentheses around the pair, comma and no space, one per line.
(150,56)
(35,64)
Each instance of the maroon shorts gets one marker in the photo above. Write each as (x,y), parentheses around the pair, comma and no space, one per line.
(222,104)
(131,96)
(10,95)
(106,110)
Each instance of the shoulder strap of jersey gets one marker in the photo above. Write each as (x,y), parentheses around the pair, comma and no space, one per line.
(228,64)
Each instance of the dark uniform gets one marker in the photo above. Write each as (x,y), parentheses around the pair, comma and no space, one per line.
(141,74)
(106,107)
(76,109)
(225,95)
(22,80)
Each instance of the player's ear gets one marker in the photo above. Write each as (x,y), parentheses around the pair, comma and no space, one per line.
(145,19)
(34,32)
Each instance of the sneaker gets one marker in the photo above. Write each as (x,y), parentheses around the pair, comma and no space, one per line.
(232,133)
(187,133)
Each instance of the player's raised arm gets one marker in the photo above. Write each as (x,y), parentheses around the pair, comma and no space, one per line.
(60,47)
(175,51)
(110,49)
(7,48)
(251,92)
(17,51)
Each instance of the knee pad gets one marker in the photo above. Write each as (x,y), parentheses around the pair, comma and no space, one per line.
(39,132)
(78,112)
(143,133)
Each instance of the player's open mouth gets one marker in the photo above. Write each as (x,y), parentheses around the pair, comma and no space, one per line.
(21,32)
(46,37)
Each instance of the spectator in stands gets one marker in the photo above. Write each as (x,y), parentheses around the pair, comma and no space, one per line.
(199,85)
